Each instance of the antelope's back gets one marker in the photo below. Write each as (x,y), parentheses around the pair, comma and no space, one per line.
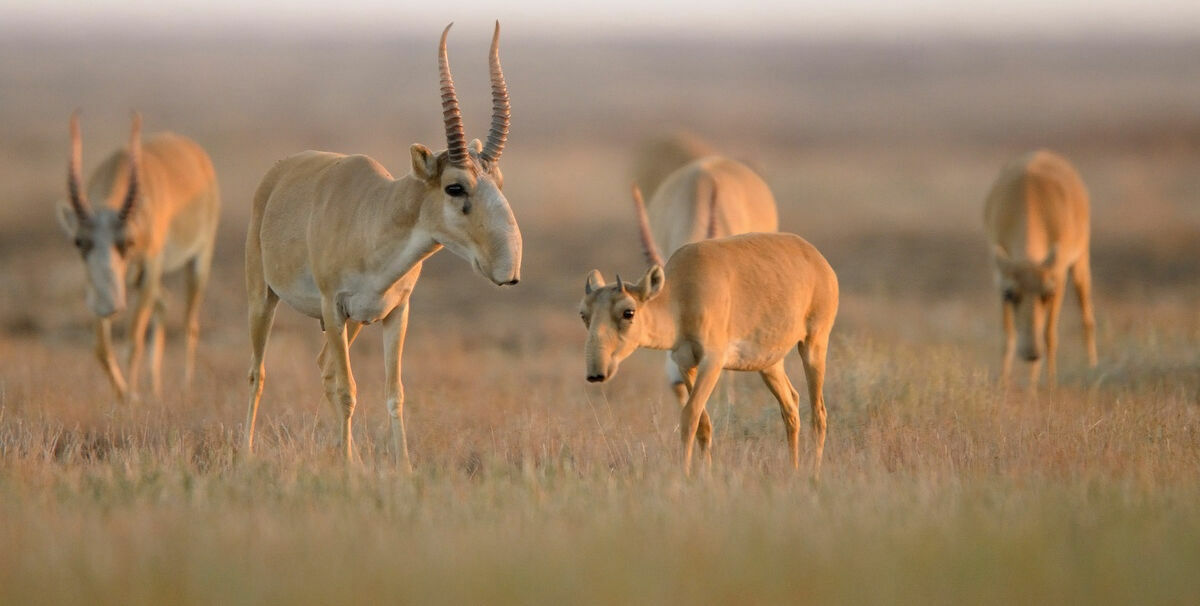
(1037,201)
(753,281)
(680,210)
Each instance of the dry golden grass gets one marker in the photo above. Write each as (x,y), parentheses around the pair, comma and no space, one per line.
(532,486)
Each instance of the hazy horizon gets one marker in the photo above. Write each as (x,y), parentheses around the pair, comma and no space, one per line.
(853,18)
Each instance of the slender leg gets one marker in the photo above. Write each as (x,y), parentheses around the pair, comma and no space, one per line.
(1010,340)
(157,336)
(196,275)
(1082,276)
(789,405)
(148,294)
(104,354)
(395,325)
(328,371)
(1052,337)
(342,390)
(812,353)
(262,315)
(704,431)
(707,373)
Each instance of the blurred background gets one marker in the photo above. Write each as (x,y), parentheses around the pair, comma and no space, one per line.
(879,125)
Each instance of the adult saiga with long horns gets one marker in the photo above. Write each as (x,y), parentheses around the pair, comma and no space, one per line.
(339,239)
(155,211)
(1036,217)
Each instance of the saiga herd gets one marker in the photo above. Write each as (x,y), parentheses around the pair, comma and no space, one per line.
(339,239)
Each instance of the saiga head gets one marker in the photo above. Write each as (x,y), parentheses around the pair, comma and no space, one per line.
(1029,288)
(611,315)
(102,235)
(475,221)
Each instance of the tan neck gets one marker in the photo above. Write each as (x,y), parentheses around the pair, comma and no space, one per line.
(660,329)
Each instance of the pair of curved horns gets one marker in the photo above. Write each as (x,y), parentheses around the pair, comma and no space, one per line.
(456,139)
(78,200)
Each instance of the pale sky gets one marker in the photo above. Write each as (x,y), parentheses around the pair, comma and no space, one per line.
(675,17)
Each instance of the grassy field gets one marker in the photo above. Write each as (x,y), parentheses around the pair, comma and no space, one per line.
(532,486)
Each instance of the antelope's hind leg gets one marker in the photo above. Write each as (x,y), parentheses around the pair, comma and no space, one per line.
(196,276)
(262,316)
(812,353)
(339,384)
(681,385)
(329,370)
(1081,275)
(789,406)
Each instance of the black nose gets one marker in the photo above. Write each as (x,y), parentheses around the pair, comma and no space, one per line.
(595,378)
(512,282)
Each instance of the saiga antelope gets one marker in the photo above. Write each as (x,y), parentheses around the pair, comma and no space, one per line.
(736,303)
(339,239)
(1036,217)
(711,197)
(157,210)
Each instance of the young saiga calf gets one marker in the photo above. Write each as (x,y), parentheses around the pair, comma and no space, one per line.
(711,197)
(736,303)
(1036,217)
(339,239)
(156,212)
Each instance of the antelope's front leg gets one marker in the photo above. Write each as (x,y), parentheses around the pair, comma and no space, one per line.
(340,390)
(707,373)
(147,300)
(1010,341)
(1052,336)
(104,354)
(395,326)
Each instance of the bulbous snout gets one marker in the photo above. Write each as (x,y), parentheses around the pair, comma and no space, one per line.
(106,286)
(503,263)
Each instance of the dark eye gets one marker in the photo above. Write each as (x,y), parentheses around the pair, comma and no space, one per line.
(83,245)
(456,190)
(627,314)
(583,316)
(1012,296)
(122,246)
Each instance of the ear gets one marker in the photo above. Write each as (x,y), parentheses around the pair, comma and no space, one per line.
(1048,262)
(475,147)
(424,162)
(595,282)
(651,283)
(67,217)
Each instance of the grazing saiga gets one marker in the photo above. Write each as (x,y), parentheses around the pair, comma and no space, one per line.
(339,239)
(711,197)
(156,211)
(1036,217)
(736,303)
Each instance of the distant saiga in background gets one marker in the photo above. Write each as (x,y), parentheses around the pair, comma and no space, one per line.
(145,212)
(1036,217)
(339,239)
(710,197)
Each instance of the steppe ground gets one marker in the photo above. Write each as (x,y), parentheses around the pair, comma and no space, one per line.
(532,486)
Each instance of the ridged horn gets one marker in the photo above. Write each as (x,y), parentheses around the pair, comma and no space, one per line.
(132,190)
(75,171)
(456,139)
(620,283)
(498,134)
(648,247)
